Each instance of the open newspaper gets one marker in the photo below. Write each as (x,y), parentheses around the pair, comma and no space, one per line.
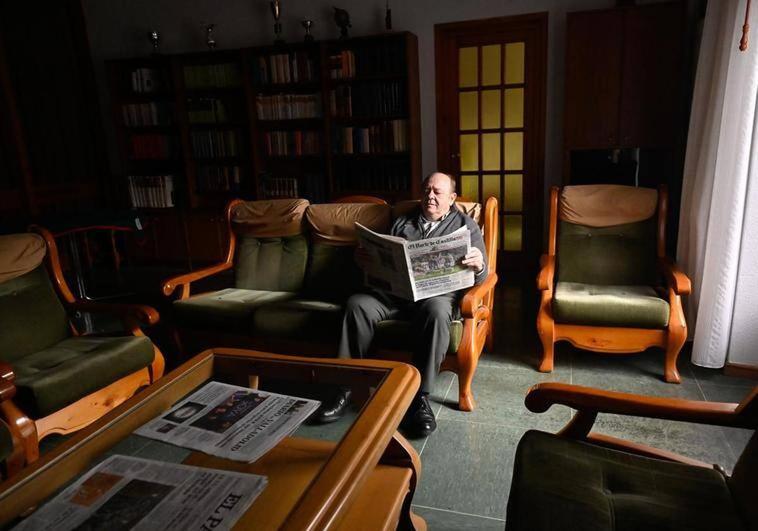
(419,269)
(132,493)
(230,421)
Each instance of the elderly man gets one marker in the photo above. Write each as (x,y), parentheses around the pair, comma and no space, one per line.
(436,216)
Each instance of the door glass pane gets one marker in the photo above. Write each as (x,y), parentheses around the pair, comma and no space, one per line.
(491,65)
(514,151)
(514,107)
(491,151)
(470,187)
(514,62)
(514,193)
(512,233)
(490,109)
(469,153)
(490,187)
(467,67)
(468,109)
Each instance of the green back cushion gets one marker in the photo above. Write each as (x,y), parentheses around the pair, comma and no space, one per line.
(332,273)
(743,482)
(32,317)
(619,255)
(273,264)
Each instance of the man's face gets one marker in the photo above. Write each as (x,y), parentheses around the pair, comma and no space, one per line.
(438,197)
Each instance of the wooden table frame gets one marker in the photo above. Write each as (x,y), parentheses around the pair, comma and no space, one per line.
(343,489)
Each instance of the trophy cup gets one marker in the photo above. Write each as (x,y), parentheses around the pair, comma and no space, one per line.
(209,39)
(276,10)
(307,25)
(155,39)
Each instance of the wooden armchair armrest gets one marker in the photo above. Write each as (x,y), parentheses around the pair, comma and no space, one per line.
(675,277)
(472,304)
(139,312)
(592,401)
(547,272)
(7,390)
(172,283)
(6,372)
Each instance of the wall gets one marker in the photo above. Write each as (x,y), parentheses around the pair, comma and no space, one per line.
(119,29)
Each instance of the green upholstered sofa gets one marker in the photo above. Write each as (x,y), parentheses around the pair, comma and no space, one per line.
(63,380)
(605,283)
(294,269)
(583,481)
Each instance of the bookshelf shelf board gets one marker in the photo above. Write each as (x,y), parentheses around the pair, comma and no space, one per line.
(368,78)
(209,92)
(369,120)
(281,158)
(293,123)
(137,129)
(283,88)
(373,156)
(146,97)
(217,125)
(219,161)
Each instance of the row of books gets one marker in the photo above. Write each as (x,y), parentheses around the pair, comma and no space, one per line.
(288,106)
(367,61)
(384,176)
(293,67)
(386,137)
(368,99)
(151,191)
(212,76)
(310,186)
(145,114)
(283,143)
(213,144)
(206,110)
(149,80)
(151,146)
(218,179)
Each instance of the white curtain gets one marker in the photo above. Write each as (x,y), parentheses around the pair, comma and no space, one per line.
(722,141)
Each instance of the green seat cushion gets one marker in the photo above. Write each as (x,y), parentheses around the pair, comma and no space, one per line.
(569,485)
(397,334)
(228,309)
(6,441)
(621,255)
(271,264)
(55,377)
(31,315)
(600,305)
(300,319)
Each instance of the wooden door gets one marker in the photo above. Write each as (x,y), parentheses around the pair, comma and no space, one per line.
(491,123)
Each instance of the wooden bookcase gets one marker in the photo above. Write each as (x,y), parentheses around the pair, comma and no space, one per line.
(316,120)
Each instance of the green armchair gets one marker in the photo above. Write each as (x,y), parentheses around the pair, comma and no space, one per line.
(63,380)
(578,480)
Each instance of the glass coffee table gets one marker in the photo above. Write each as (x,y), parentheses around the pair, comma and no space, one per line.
(357,473)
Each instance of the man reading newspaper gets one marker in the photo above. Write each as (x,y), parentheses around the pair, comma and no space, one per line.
(436,216)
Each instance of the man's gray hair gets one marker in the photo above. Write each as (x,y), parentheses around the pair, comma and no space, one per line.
(452,180)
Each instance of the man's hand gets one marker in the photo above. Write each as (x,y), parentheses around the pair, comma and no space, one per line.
(474,259)
(362,257)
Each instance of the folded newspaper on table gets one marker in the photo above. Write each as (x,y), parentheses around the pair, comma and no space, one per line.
(419,269)
(132,493)
(229,421)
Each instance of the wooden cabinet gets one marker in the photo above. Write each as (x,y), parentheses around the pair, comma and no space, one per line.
(623,77)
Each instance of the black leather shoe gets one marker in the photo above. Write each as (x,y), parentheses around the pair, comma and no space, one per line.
(419,421)
(332,409)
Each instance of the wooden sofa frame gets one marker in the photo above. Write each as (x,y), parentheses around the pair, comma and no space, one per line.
(93,406)
(476,309)
(607,339)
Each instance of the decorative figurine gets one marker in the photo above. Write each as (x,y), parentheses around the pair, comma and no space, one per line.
(155,39)
(276,10)
(307,25)
(209,40)
(388,17)
(342,18)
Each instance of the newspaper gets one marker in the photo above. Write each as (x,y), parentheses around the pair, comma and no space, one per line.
(419,269)
(231,422)
(132,493)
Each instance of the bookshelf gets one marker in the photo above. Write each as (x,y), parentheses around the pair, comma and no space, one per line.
(316,120)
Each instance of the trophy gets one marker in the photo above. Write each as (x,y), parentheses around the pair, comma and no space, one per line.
(276,10)
(209,39)
(155,39)
(307,25)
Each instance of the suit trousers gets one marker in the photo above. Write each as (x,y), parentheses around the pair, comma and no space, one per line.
(430,319)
